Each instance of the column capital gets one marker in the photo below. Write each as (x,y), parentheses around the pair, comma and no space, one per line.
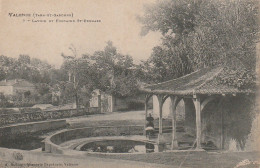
(175,100)
(196,96)
(147,97)
(162,98)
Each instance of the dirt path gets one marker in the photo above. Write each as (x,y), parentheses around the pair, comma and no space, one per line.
(108,119)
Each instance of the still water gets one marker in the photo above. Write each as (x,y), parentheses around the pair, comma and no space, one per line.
(120,146)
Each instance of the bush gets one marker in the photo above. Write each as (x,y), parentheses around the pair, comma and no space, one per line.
(4,102)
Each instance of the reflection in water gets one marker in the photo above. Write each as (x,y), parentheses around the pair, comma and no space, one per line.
(119,146)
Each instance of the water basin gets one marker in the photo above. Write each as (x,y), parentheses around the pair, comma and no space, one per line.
(118,146)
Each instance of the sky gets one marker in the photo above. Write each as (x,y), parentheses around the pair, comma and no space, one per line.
(47,40)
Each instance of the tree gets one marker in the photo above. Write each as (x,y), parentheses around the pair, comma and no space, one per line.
(43,88)
(2,74)
(114,71)
(33,70)
(24,59)
(4,101)
(170,17)
(71,66)
(198,34)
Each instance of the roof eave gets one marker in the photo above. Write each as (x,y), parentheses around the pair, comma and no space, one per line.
(185,93)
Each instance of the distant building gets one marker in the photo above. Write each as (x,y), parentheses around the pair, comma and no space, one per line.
(107,102)
(95,100)
(15,86)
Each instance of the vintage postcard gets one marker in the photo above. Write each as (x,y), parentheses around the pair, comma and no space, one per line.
(129,83)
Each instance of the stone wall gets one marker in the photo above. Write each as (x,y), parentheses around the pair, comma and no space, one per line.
(28,128)
(190,117)
(228,123)
(42,115)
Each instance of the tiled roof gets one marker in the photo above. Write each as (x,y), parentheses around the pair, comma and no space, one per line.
(199,82)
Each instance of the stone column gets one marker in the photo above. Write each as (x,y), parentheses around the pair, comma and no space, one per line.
(147,97)
(112,100)
(174,102)
(220,109)
(198,121)
(161,141)
(160,136)
(160,117)
(99,103)
(146,111)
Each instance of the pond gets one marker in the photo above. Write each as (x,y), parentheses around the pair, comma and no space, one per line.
(119,146)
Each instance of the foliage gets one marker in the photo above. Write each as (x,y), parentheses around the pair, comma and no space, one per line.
(33,70)
(106,70)
(20,100)
(198,34)
(111,72)
(120,78)
(76,69)
(242,79)
(42,88)
(125,85)
(4,102)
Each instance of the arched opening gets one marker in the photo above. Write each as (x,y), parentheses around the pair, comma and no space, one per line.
(180,114)
(166,120)
(148,108)
(155,110)
(149,103)
(167,109)
(167,113)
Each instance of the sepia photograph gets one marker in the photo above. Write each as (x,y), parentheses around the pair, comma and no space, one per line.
(129,84)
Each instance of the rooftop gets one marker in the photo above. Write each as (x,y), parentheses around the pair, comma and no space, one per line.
(203,81)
